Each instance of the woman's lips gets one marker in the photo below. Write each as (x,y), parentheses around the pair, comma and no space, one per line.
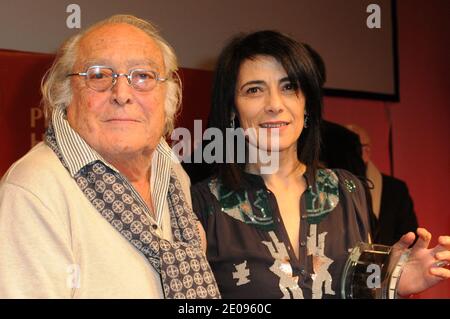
(274,124)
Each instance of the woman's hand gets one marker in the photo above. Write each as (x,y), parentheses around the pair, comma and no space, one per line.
(425,267)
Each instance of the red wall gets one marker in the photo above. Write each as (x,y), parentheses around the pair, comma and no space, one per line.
(21,119)
(421,134)
(420,120)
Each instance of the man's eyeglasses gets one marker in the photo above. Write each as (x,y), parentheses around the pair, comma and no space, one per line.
(102,78)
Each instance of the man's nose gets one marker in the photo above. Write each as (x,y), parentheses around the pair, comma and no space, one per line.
(121,91)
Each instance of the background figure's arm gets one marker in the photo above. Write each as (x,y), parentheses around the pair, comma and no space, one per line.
(406,219)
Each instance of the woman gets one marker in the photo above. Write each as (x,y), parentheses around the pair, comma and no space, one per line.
(286,234)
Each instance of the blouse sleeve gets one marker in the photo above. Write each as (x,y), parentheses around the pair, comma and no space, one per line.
(202,201)
(353,192)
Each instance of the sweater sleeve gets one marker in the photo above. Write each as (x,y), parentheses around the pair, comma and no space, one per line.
(36,258)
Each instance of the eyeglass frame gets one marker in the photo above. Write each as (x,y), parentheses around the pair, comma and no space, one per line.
(115,76)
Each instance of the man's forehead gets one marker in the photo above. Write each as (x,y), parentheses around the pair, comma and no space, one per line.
(119,44)
(127,63)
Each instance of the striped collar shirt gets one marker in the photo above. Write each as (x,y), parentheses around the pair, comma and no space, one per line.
(77,154)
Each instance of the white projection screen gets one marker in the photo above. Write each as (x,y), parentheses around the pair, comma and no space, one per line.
(360,61)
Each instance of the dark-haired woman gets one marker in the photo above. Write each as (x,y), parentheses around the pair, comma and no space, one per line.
(288,233)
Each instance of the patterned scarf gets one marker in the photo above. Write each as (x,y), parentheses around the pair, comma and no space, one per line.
(184,270)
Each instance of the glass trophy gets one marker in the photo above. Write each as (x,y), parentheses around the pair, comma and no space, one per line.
(372,271)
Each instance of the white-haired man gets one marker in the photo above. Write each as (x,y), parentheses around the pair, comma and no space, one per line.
(100,209)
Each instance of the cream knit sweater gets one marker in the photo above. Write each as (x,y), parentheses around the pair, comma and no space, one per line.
(55,244)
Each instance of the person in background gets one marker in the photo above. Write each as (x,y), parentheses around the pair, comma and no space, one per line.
(391,202)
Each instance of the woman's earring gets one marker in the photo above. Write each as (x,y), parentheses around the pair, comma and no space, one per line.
(232,124)
(305,122)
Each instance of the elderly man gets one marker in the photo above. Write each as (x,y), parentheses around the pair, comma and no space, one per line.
(100,209)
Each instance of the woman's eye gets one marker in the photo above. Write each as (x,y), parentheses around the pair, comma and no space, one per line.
(253,90)
(289,87)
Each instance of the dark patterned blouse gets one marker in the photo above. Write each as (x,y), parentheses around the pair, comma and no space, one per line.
(248,246)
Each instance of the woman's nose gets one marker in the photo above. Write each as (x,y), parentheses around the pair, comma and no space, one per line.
(274,102)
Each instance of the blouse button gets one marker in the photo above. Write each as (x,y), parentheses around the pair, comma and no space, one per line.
(302,243)
(303,272)
(304,216)
(155,227)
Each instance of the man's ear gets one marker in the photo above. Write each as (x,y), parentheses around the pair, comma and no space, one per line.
(366,153)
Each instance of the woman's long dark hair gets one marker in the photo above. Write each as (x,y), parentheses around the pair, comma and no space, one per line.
(301,69)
